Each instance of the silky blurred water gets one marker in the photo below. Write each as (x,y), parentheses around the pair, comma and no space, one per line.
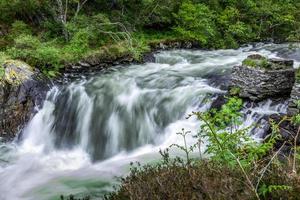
(88,131)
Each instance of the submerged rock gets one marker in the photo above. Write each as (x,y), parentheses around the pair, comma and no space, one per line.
(21,89)
(259,78)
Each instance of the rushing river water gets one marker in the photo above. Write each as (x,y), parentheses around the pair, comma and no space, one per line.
(88,131)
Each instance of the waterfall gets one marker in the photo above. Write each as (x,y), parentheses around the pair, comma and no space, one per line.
(88,131)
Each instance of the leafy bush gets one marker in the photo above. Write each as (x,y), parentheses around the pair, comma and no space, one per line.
(19,28)
(45,56)
(78,45)
(230,25)
(238,167)
(195,22)
(213,24)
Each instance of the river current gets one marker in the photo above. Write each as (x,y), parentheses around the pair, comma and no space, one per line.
(89,130)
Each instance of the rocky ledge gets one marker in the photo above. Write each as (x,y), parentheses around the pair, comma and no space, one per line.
(21,89)
(260,78)
(293,108)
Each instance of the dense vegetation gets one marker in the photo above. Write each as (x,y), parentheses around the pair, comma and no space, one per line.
(51,33)
(238,167)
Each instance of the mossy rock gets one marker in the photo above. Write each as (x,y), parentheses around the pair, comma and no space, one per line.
(261,78)
(260,62)
(15,72)
(21,89)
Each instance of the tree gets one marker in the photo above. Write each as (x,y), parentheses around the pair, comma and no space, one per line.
(195,22)
(62,14)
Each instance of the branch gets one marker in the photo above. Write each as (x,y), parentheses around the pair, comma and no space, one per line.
(266,167)
(246,176)
(79,6)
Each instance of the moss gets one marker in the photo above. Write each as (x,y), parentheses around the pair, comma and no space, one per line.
(15,71)
(235,91)
(249,62)
(262,63)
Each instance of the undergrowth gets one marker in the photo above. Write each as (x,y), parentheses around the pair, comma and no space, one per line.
(237,168)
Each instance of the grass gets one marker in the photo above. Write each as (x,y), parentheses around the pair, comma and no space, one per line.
(52,55)
(257,63)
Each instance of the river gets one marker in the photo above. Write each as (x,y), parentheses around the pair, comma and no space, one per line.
(89,130)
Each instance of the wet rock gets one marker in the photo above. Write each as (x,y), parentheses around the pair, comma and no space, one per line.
(259,78)
(21,89)
(149,57)
(218,102)
(170,44)
(84,64)
(293,107)
(287,130)
(218,80)
(256,56)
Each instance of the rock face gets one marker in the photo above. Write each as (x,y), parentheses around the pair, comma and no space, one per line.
(21,89)
(293,108)
(259,78)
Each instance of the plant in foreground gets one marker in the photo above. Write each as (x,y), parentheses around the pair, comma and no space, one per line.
(238,167)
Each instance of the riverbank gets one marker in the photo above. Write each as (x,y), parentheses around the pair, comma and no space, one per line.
(60,35)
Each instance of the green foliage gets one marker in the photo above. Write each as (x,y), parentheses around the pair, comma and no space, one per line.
(262,63)
(24,9)
(234,30)
(238,166)
(3,58)
(78,44)
(264,189)
(137,25)
(187,150)
(30,49)
(195,22)
(249,62)
(235,91)
(19,28)
(296,118)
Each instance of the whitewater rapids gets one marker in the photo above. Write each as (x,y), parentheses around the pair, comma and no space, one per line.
(88,131)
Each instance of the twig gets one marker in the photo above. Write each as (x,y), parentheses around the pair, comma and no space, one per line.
(295,150)
(246,176)
(266,167)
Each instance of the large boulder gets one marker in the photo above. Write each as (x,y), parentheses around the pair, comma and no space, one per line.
(21,89)
(259,78)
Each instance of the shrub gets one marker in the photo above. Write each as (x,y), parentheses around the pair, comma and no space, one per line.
(45,56)
(195,22)
(204,180)
(238,167)
(24,48)
(19,28)
(78,45)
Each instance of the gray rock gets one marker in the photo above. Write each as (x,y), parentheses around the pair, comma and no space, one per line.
(256,83)
(293,108)
(21,89)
